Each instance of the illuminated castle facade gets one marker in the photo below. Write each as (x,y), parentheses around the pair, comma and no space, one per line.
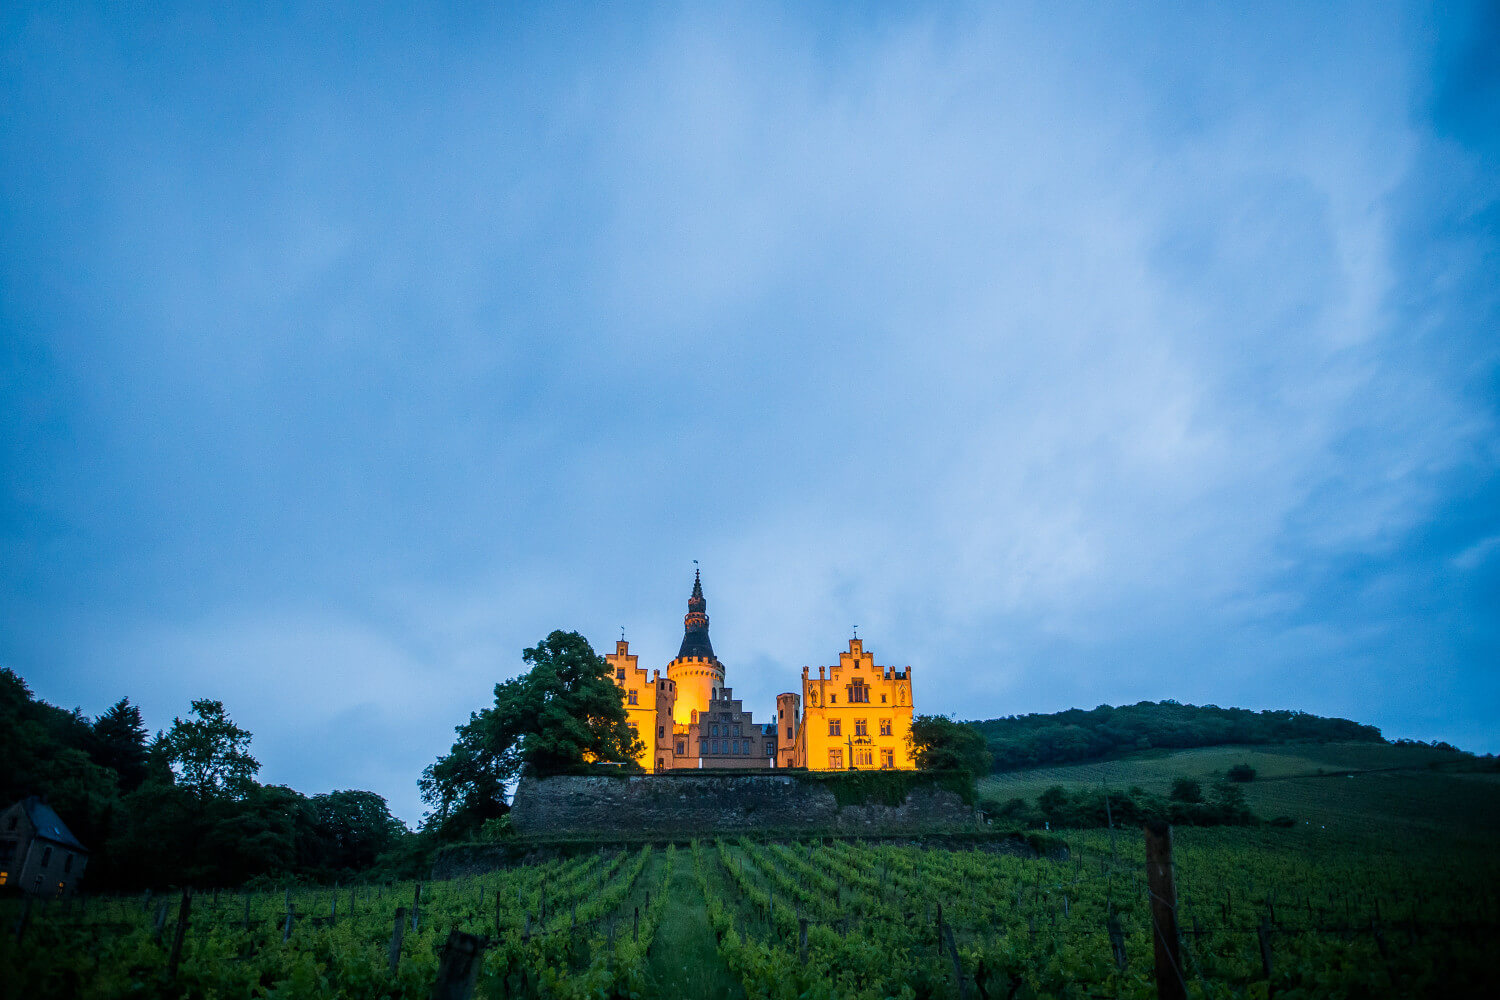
(852,716)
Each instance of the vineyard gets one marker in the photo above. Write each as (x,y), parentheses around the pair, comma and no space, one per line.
(1259,912)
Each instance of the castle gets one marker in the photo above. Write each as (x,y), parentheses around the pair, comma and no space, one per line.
(851,716)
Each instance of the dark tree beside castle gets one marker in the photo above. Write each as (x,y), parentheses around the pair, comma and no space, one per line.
(562,715)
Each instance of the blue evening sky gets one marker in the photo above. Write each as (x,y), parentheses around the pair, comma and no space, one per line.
(1078,353)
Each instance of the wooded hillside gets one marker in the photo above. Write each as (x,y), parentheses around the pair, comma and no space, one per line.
(1060,737)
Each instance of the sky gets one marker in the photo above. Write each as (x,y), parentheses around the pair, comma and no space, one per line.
(1078,354)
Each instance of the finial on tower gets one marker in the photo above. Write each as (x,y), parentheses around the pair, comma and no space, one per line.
(856,631)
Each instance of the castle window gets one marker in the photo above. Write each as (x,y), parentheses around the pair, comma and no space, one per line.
(885,727)
(858,692)
(770,749)
(631,697)
(737,730)
(661,732)
(788,732)
(861,728)
(835,727)
(620,674)
(882,699)
(863,758)
(661,764)
(835,760)
(682,747)
(887,759)
(833,699)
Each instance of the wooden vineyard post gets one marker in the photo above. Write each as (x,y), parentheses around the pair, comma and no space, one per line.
(286,931)
(458,967)
(1264,933)
(416,905)
(396,931)
(161,920)
(958,969)
(1170,984)
(24,919)
(1116,939)
(182,925)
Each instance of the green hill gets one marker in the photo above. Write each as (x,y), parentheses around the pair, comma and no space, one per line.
(1353,787)
(1079,734)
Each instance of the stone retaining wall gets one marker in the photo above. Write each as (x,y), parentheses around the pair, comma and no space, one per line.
(588,805)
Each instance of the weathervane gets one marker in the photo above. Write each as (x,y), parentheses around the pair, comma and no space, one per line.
(856,631)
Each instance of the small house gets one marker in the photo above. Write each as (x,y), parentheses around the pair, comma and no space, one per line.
(38,853)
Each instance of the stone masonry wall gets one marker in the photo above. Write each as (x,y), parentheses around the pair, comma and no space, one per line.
(578,805)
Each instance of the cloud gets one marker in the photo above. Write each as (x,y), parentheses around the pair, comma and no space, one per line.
(1075,358)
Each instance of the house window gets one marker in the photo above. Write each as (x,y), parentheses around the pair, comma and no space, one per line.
(620,674)
(835,727)
(770,749)
(631,697)
(882,699)
(861,728)
(863,758)
(4,878)
(885,727)
(833,699)
(46,856)
(67,862)
(887,759)
(835,760)
(682,747)
(661,764)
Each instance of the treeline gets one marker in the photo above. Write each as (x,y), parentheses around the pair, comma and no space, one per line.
(183,807)
(1018,741)
(1186,805)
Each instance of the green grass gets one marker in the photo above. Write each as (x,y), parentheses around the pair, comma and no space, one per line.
(684,956)
(1353,788)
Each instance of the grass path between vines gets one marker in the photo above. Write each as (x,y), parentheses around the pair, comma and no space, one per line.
(684,961)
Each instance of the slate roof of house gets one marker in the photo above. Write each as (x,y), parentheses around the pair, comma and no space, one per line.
(48,825)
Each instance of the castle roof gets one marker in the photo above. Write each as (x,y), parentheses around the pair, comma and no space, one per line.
(695,625)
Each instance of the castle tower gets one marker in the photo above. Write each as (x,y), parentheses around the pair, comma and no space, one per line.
(788,730)
(696,671)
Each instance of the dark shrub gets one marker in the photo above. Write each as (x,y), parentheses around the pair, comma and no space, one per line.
(1242,772)
(1186,790)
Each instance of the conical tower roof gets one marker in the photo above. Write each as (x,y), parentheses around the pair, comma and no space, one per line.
(695,625)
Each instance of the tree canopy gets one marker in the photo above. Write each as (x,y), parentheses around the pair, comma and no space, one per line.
(186,809)
(1019,741)
(208,752)
(561,715)
(940,744)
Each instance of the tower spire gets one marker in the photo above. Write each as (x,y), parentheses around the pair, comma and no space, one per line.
(695,624)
